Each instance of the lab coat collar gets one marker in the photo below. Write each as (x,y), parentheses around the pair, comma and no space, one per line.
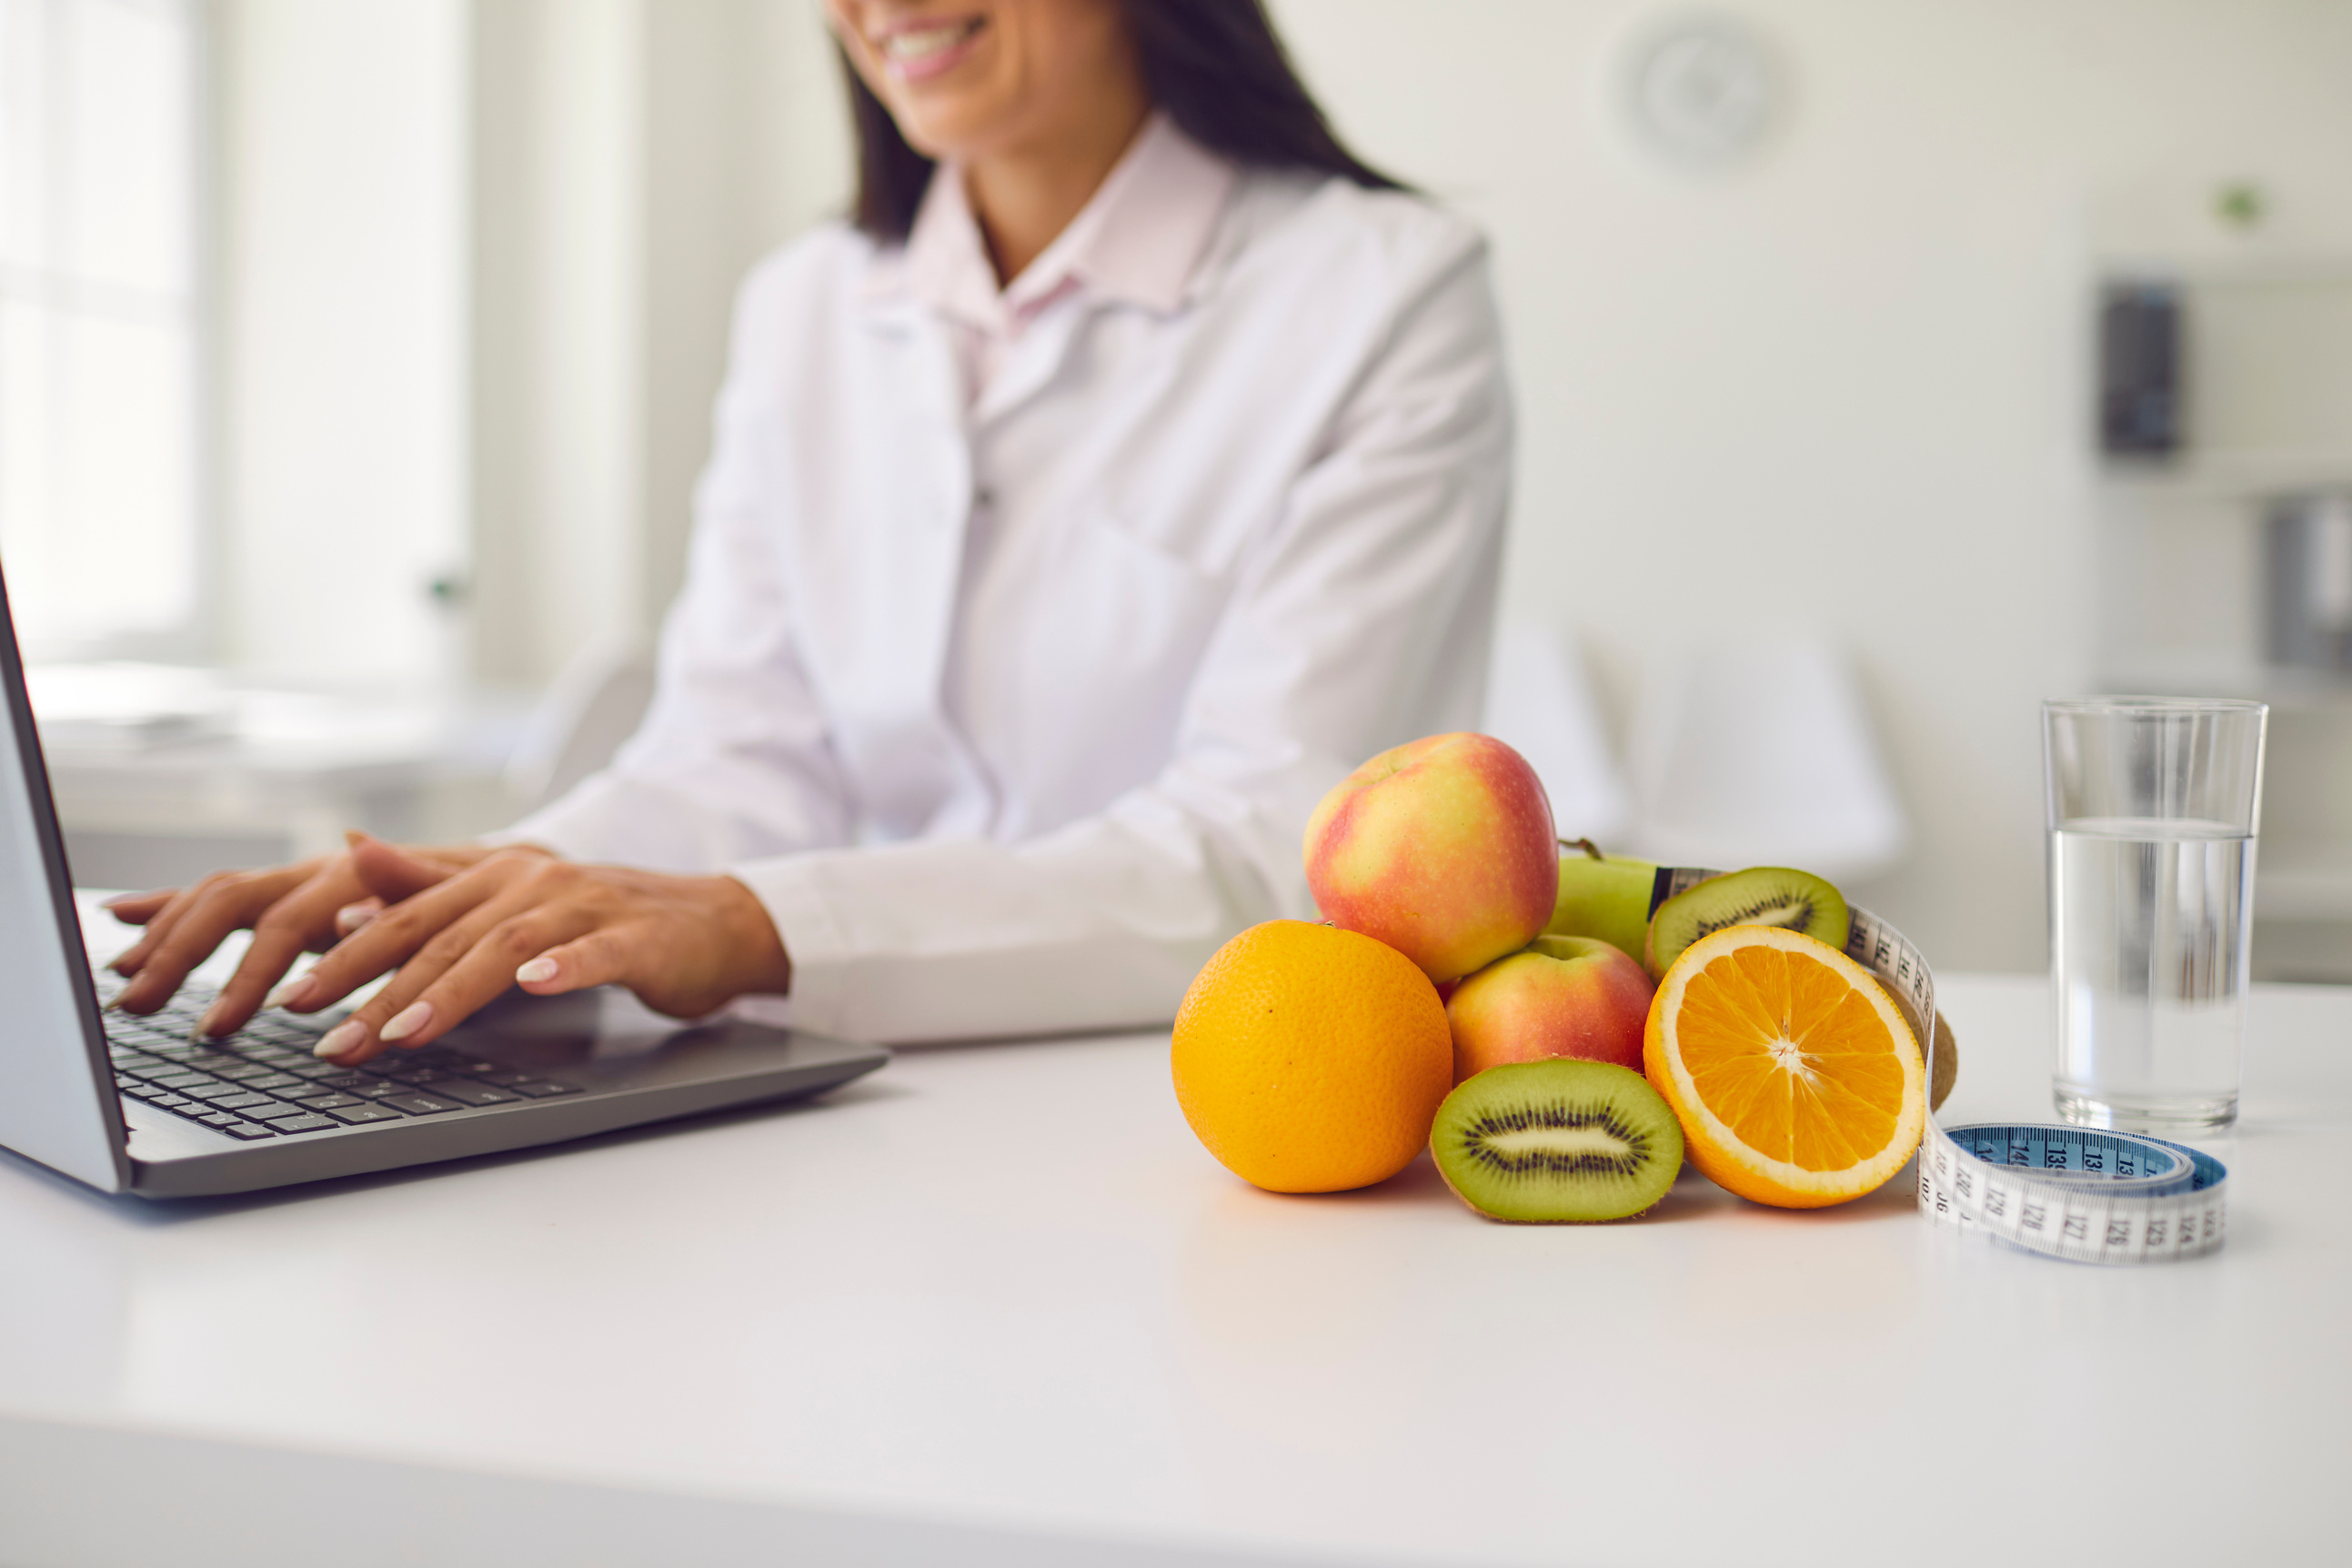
(1139,240)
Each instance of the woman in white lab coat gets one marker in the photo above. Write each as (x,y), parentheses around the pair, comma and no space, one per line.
(1077,517)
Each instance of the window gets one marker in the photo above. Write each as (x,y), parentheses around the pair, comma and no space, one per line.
(98,519)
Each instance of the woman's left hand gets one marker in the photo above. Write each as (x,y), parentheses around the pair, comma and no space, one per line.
(686,945)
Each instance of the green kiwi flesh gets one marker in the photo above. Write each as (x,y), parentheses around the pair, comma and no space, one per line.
(1556,1141)
(1760,896)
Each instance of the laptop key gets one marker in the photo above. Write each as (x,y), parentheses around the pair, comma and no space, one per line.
(183,1079)
(470,1093)
(241,1100)
(542,1088)
(274,1083)
(214,1090)
(304,1123)
(212,1117)
(242,1071)
(418,1104)
(359,1115)
(380,1089)
(276,1115)
(173,1101)
(313,1068)
(330,1101)
(249,1130)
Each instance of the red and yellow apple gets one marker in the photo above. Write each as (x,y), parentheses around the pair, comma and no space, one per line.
(1443,848)
(1560,997)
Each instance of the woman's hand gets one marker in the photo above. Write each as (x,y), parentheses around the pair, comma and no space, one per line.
(686,945)
(290,909)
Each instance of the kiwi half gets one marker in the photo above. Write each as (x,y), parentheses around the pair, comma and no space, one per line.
(1760,896)
(1556,1141)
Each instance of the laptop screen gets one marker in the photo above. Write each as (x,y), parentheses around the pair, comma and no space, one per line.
(56,1093)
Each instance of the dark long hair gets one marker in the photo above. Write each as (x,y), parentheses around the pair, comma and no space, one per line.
(1216,67)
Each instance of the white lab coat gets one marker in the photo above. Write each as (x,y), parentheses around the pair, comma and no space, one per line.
(1010,714)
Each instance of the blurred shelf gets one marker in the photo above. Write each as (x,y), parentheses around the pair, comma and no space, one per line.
(2229,476)
(2219,675)
(2309,888)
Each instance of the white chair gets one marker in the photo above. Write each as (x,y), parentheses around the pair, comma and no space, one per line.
(1761,754)
(1539,702)
(595,703)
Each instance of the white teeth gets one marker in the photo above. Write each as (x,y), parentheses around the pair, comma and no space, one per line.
(914,45)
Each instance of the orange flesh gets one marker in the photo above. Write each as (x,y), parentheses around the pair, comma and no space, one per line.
(1792,1058)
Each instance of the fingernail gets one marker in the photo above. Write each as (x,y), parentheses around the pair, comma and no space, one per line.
(347,1035)
(210,1023)
(293,993)
(118,899)
(114,1003)
(350,917)
(406,1022)
(537,969)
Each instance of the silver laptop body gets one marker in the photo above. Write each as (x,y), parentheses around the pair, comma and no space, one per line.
(152,1112)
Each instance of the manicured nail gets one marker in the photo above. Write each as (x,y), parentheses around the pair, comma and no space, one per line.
(347,1035)
(210,1023)
(118,899)
(350,917)
(293,993)
(406,1022)
(115,1002)
(537,969)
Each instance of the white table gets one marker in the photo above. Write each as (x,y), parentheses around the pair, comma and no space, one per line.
(995,1305)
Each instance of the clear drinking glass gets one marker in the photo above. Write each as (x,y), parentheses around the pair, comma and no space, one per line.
(2153,806)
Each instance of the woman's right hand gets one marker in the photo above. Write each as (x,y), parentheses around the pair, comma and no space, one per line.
(306,907)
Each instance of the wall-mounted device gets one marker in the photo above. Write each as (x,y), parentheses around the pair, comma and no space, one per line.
(2310,591)
(2139,370)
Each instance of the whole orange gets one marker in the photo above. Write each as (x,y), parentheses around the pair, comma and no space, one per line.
(1311,1059)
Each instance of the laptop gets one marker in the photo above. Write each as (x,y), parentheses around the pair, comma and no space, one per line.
(138,1105)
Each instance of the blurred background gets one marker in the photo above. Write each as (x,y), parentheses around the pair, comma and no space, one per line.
(1885,366)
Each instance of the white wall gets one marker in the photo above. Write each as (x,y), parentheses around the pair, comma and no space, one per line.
(341,347)
(632,159)
(1844,389)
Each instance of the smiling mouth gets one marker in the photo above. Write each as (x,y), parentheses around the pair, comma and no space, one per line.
(919,46)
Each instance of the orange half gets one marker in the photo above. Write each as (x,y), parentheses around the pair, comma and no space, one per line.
(1792,1072)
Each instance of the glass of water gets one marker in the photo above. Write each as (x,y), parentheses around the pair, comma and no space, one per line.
(2152,807)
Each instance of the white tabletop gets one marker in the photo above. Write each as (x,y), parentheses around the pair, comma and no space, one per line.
(995,1304)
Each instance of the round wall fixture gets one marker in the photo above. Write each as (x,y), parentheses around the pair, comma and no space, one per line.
(1701,89)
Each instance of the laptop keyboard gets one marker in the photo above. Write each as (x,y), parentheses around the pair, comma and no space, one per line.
(265,1083)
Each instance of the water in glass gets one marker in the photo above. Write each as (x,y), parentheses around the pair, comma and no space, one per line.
(2149,933)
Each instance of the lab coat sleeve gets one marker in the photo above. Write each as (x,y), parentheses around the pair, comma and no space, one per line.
(732,760)
(1360,620)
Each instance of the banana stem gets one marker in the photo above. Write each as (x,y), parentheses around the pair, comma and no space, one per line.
(1589,848)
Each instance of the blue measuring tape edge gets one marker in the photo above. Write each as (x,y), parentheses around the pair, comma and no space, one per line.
(2132,1164)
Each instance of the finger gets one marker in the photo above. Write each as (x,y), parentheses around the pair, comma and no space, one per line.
(401,931)
(221,903)
(392,874)
(600,958)
(281,933)
(350,917)
(159,926)
(456,975)
(138,909)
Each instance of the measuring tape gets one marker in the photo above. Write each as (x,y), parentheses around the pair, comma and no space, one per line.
(2080,1192)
